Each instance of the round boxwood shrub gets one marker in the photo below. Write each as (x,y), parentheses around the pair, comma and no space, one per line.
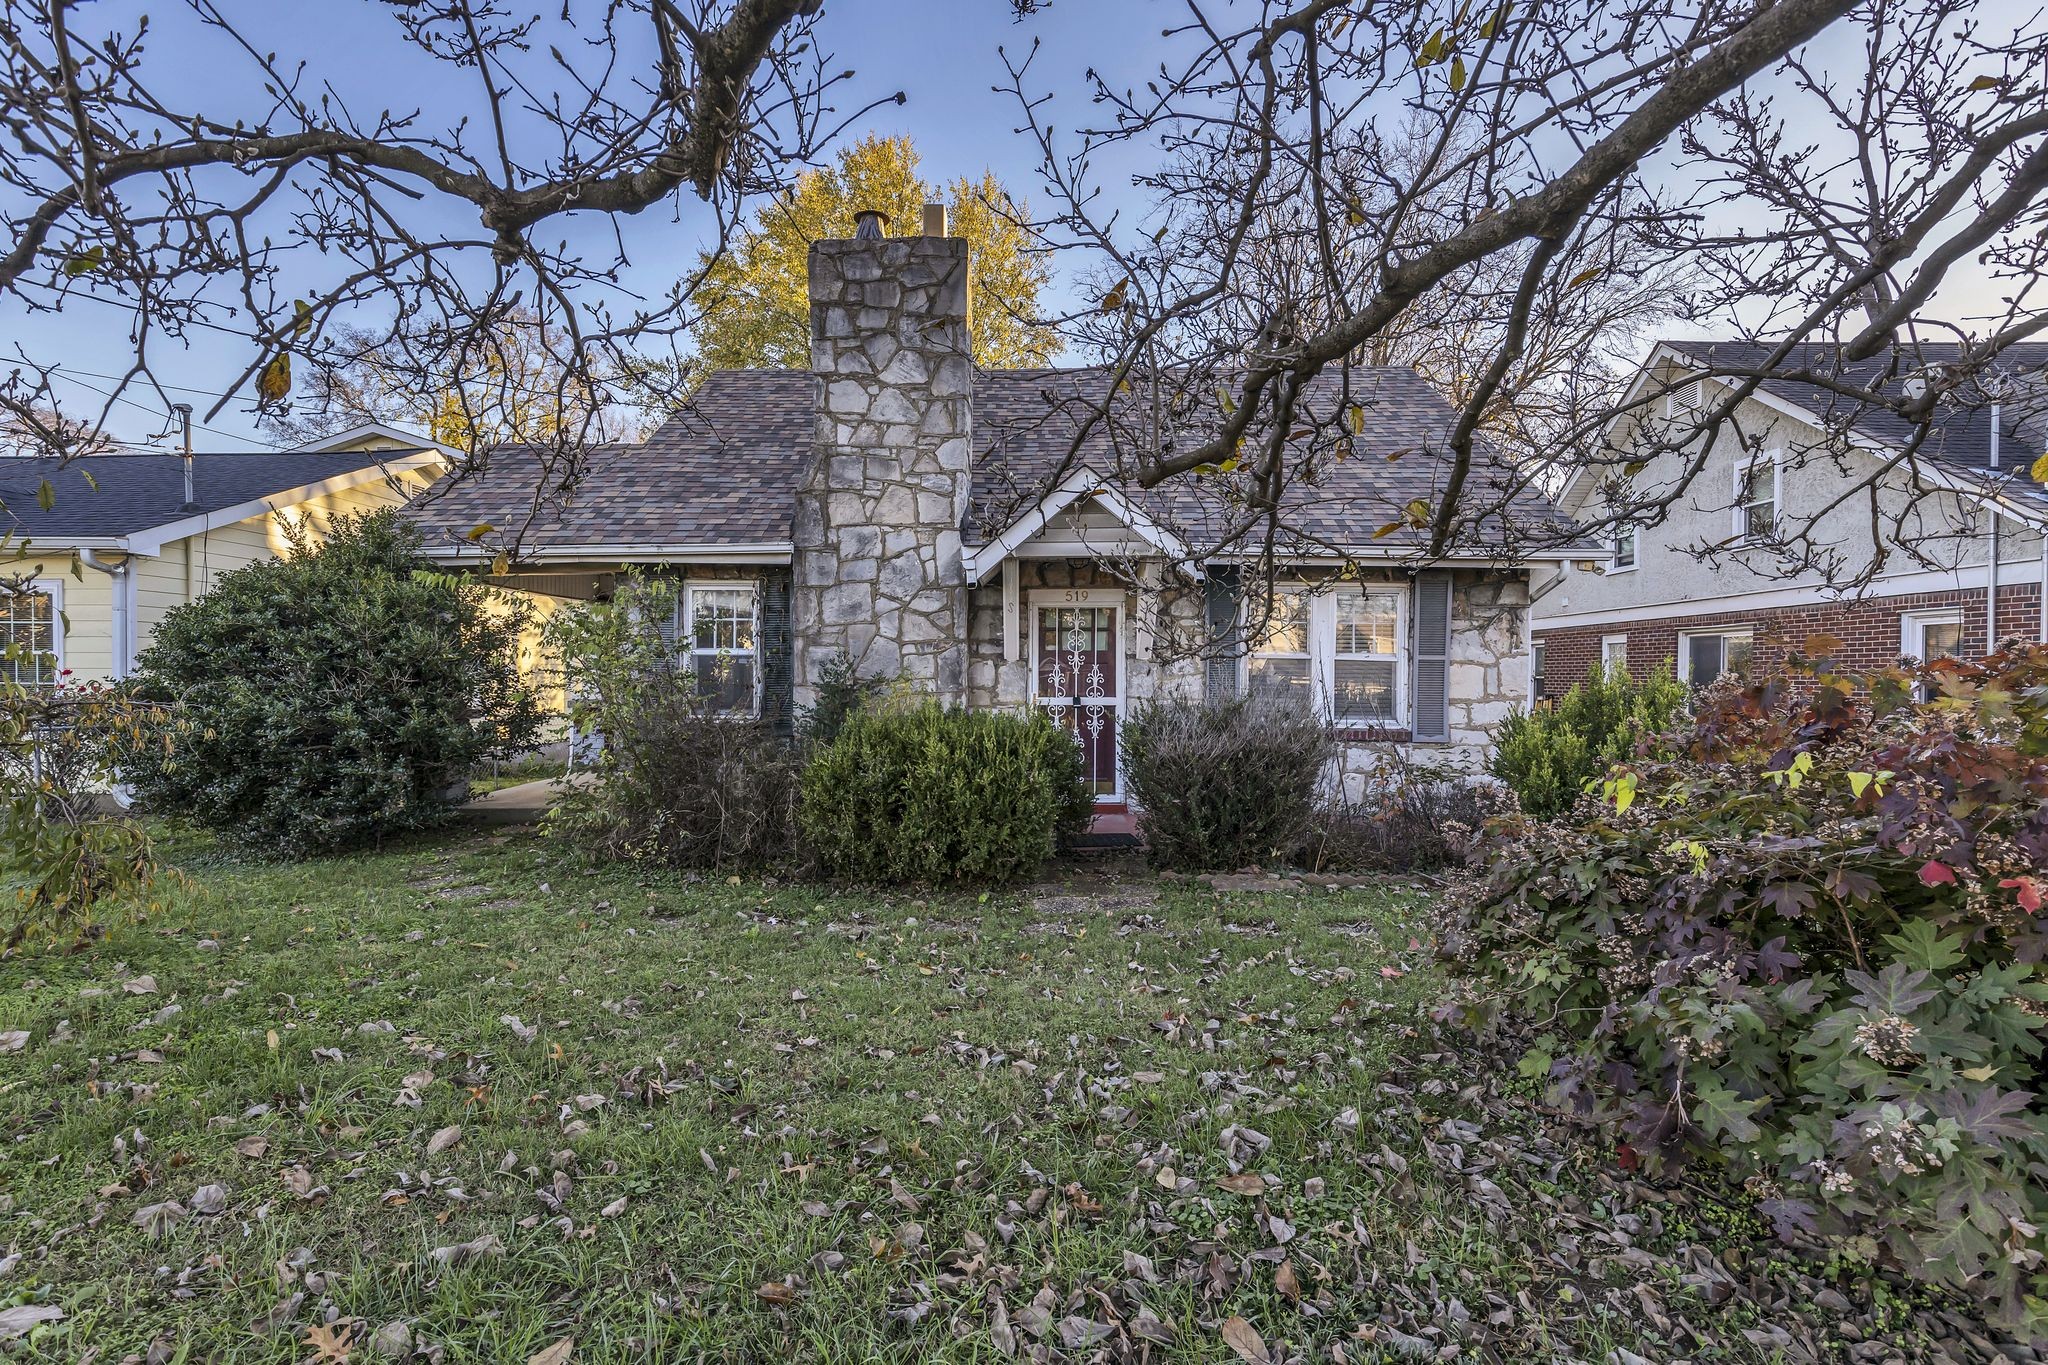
(927,794)
(331,697)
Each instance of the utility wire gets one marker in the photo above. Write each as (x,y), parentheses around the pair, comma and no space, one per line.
(71,376)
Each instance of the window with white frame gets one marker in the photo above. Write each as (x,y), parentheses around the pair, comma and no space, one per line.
(1931,635)
(1621,549)
(1279,664)
(1756,497)
(1365,669)
(720,632)
(1614,653)
(31,637)
(1341,650)
(1705,655)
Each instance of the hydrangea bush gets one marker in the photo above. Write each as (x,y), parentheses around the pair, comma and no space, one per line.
(1808,947)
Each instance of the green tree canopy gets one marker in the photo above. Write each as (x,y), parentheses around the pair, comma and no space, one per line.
(755,300)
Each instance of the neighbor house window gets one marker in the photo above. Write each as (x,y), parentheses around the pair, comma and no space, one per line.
(1706,655)
(1756,498)
(1621,555)
(30,637)
(1340,650)
(1931,635)
(1279,664)
(1614,653)
(721,638)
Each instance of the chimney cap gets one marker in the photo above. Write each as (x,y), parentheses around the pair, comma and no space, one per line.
(870,225)
(935,220)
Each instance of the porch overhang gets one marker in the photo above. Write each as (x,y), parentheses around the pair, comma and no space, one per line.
(1027,535)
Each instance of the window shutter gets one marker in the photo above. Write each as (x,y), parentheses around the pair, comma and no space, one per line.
(671,623)
(1432,661)
(1220,591)
(778,652)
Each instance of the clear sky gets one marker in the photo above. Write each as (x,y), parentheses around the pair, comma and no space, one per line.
(941,53)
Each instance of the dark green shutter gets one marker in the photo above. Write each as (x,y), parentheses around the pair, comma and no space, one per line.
(778,652)
(1220,592)
(1430,695)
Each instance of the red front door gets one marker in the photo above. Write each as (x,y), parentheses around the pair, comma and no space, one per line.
(1079,682)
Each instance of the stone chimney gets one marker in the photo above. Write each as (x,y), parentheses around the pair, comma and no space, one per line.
(878,572)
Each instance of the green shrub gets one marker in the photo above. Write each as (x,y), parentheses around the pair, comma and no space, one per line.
(671,782)
(332,697)
(1547,757)
(1224,784)
(1808,948)
(928,794)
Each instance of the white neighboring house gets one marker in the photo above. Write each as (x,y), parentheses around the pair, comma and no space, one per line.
(127,537)
(1960,532)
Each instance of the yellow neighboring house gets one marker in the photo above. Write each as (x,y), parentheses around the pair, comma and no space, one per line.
(127,537)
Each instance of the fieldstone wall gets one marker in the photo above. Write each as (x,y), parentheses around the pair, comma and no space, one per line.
(1157,625)
(878,565)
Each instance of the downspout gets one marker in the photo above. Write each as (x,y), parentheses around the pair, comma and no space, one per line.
(121,647)
(1991,564)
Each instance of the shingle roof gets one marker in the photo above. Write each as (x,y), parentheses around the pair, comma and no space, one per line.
(1959,435)
(725,471)
(104,496)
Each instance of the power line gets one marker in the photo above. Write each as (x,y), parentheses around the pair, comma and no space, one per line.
(70,376)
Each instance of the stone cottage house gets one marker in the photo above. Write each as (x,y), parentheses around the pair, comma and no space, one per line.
(900,508)
(1947,558)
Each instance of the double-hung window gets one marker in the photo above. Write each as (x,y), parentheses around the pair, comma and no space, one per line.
(720,633)
(1365,667)
(1931,635)
(31,636)
(1756,497)
(1621,550)
(1340,650)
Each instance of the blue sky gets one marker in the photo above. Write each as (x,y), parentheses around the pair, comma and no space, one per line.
(941,53)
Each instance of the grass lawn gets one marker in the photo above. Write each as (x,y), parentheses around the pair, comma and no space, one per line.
(479,1100)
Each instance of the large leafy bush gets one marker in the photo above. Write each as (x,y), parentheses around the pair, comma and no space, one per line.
(1224,784)
(923,793)
(1547,757)
(1409,815)
(332,697)
(670,781)
(1809,947)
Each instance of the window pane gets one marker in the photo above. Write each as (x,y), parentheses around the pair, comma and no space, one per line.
(726,681)
(1365,689)
(1736,654)
(1284,678)
(1286,628)
(722,618)
(1758,511)
(1941,640)
(1703,659)
(1625,549)
(1366,622)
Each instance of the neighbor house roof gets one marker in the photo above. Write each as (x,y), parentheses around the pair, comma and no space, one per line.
(723,474)
(137,501)
(1959,435)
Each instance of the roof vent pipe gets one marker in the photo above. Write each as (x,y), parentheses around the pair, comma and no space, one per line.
(870,225)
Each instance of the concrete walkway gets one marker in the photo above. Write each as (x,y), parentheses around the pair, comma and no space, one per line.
(520,805)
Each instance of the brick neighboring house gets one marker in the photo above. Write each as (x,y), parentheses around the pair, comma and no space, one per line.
(960,528)
(1649,601)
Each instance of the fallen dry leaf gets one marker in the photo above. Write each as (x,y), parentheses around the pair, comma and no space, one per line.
(443,1139)
(330,1341)
(486,1245)
(774,1291)
(558,1354)
(15,1322)
(140,985)
(1241,1337)
(252,1146)
(1286,1282)
(1246,1183)
(14,1040)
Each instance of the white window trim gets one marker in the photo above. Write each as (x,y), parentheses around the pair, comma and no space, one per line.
(1322,649)
(1723,633)
(686,633)
(55,588)
(1618,642)
(1913,624)
(1634,536)
(1740,514)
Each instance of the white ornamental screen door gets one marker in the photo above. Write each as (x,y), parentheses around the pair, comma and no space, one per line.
(1077,676)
